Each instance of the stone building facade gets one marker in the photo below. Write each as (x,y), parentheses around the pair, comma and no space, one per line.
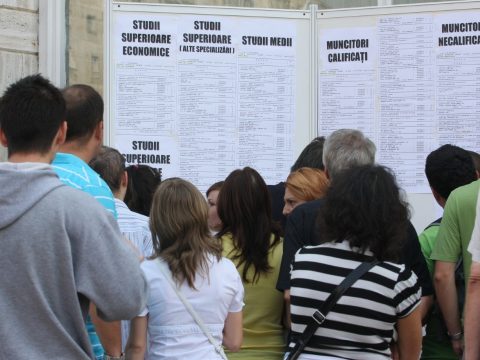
(18,43)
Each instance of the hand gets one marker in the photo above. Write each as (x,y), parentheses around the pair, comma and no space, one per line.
(457,346)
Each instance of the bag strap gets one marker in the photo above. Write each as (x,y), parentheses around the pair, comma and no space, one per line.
(167,274)
(319,316)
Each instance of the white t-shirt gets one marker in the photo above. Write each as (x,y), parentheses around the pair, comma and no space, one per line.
(474,245)
(173,333)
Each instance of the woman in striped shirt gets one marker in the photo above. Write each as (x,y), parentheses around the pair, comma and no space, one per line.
(363,218)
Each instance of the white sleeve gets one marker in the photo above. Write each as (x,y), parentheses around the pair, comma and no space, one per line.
(237,303)
(143,313)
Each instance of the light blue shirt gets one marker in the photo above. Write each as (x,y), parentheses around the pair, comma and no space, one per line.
(76,173)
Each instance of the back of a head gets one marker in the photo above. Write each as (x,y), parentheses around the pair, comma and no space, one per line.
(84,111)
(180,233)
(244,207)
(307,184)
(449,167)
(364,206)
(143,180)
(110,165)
(214,187)
(311,156)
(346,148)
(31,113)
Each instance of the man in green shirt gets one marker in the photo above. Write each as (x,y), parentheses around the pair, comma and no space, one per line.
(446,168)
(451,245)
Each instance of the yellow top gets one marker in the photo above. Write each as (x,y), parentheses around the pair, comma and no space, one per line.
(263,336)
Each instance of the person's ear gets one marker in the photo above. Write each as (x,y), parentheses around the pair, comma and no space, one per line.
(439,198)
(327,174)
(3,138)
(124,181)
(61,134)
(99,132)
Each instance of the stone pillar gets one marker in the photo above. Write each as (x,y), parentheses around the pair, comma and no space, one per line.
(18,43)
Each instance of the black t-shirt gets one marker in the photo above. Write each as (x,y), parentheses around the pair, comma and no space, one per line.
(301,230)
(277,193)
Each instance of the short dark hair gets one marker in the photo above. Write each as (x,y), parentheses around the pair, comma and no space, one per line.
(311,156)
(31,113)
(476,159)
(110,165)
(449,167)
(244,207)
(143,180)
(84,110)
(364,206)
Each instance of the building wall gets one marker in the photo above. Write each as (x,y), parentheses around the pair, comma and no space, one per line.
(18,43)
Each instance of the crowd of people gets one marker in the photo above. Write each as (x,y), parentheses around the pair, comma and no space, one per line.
(101,260)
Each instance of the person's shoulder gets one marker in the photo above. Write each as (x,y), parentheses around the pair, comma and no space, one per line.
(95,180)
(74,197)
(309,207)
(277,188)
(226,268)
(150,267)
(226,263)
(305,212)
(429,233)
(427,237)
(227,243)
(467,192)
(131,218)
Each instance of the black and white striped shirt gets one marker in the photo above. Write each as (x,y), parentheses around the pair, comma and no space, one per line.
(360,325)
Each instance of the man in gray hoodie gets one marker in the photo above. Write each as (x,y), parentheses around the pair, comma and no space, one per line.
(59,249)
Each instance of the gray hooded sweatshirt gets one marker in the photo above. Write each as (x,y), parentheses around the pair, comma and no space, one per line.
(59,250)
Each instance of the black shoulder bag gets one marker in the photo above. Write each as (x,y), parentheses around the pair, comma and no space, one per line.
(319,316)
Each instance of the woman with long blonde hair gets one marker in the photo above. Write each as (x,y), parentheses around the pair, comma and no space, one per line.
(188,258)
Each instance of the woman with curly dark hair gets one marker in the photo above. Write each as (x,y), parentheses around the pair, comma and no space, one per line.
(251,240)
(363,219)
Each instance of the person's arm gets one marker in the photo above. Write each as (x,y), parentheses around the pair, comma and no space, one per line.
(105,267)
(409,342)
(109,333)
(287,320)
(233,331)
(425,306)
(291,243)
(446,291)
(412,256)
(472,314)
(137,340)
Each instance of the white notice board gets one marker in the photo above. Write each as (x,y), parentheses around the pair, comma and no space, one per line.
(200,91)
(407,76)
